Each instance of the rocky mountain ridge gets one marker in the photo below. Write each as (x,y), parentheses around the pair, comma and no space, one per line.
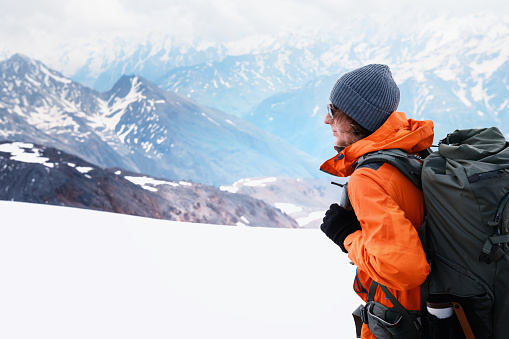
(38,174)
(140,127)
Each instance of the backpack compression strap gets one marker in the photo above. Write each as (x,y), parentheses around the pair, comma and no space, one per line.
(492,249)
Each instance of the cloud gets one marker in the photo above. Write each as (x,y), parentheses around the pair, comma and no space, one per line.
(39,28)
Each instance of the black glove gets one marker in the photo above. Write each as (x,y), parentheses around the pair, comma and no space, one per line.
(339,223)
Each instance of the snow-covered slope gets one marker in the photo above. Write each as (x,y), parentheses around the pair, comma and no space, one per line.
(70,273)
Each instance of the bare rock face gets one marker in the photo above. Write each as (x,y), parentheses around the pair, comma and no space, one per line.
(38,174)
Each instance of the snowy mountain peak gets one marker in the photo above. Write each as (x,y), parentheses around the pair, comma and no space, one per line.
(141,127)
(126,91)
(125,84)
(33,71)
(16,62)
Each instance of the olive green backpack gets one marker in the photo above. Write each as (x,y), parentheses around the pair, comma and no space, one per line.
(466,231)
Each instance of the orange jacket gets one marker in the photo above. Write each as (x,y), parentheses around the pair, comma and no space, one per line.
(390,210)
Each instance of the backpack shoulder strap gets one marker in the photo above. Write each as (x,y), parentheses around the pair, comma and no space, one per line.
(409,165)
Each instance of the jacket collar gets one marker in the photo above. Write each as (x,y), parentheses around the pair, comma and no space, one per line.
(410,135)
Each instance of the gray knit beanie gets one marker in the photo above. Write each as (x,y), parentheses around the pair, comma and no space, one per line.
(368,95)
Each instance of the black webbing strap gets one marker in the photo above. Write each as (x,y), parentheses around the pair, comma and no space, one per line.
(492,249)
(359,318)
(372,291)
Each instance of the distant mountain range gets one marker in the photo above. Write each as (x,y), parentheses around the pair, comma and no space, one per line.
(38,174)
(139,127)
(219,114)
(304,200)
(453,70)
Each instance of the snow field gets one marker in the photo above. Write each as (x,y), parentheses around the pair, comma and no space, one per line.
(73,273)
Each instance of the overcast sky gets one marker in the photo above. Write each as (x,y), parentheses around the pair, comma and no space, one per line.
(35,27)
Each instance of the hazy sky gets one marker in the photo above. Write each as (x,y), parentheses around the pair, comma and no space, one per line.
(37,27)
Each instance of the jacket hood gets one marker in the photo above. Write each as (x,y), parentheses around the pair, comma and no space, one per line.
(411,136)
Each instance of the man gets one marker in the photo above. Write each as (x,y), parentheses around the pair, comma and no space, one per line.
(380,234)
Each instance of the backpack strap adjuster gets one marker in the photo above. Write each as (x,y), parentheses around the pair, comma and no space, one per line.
(492,250)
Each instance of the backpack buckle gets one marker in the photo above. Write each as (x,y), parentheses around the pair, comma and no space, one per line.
(486,258)
(364,314)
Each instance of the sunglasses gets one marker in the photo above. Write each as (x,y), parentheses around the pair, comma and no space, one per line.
(330,110)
